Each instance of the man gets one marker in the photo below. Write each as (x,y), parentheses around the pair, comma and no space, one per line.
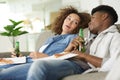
(114,74)
(103,51)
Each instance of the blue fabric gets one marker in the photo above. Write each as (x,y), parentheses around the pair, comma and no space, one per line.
(53,69)
(19,72)
(58,43)
(28,60)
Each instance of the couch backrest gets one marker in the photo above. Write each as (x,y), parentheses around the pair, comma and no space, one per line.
(43,36)
(46,34)
(118,27)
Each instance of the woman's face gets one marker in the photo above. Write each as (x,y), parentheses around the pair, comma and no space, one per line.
(70,23)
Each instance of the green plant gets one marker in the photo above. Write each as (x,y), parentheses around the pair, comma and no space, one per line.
(13,30)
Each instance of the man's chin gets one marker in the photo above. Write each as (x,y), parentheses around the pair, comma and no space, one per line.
(93,32)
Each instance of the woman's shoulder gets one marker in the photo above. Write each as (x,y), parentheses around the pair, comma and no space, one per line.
(72,35)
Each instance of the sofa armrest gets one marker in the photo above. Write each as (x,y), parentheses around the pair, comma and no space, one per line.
(88,76)
(8,54)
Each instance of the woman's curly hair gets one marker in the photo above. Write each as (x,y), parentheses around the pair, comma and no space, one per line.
(57,24)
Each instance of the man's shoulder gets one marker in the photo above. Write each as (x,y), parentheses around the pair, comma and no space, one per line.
(118,27)
(116,38)
(117,35)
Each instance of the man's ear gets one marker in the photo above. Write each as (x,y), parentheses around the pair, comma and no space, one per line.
(105,16)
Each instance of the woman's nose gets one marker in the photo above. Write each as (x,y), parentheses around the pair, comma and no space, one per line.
(70,22)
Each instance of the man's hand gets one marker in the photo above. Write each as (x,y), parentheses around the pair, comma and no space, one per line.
(74,45)
(80,54)
(36,55)
(96,61)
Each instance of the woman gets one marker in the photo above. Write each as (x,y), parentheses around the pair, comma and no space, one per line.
(66,27)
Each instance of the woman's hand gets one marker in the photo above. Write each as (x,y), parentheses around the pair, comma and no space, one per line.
(5,61)
(60,54)
(14,55)
(36,55)
(74,45)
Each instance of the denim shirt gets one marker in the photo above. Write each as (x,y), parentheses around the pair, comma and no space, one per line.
(58,43)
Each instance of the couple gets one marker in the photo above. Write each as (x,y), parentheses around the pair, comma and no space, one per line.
(103,51)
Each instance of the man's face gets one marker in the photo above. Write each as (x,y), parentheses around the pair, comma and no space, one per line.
(96,22)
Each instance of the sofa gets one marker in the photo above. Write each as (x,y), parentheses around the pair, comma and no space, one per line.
(88,76)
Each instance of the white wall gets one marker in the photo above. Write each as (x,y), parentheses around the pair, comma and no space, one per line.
(42,9)
(28,42)
(88,5)
(6,44)
(32,11)
(115,4)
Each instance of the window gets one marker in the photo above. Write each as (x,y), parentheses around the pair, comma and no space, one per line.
(4,14)
(35,24)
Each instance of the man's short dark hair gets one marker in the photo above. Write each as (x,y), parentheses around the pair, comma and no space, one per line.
(108,9)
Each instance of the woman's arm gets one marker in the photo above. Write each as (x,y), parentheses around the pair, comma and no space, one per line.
(36,55)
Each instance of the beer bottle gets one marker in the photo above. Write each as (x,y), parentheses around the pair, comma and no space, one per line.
(17,50)
(81,34)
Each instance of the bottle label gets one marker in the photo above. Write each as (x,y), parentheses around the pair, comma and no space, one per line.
(17,51)
(81,34)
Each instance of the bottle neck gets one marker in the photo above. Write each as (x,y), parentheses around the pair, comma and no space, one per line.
(81,34)
(17,45)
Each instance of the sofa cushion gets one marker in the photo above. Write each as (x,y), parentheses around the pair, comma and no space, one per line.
(43,36)
(8,54)
(88,76)
(118,26)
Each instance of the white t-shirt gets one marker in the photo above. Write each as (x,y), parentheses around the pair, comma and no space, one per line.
(107,46)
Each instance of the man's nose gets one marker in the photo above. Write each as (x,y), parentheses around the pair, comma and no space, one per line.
(89,23)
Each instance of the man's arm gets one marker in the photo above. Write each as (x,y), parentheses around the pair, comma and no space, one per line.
(96,61)
(73,47)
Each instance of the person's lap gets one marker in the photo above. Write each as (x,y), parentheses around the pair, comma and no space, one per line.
(16,72)
(52,69)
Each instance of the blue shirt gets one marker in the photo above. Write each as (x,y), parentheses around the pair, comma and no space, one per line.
(58,43)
